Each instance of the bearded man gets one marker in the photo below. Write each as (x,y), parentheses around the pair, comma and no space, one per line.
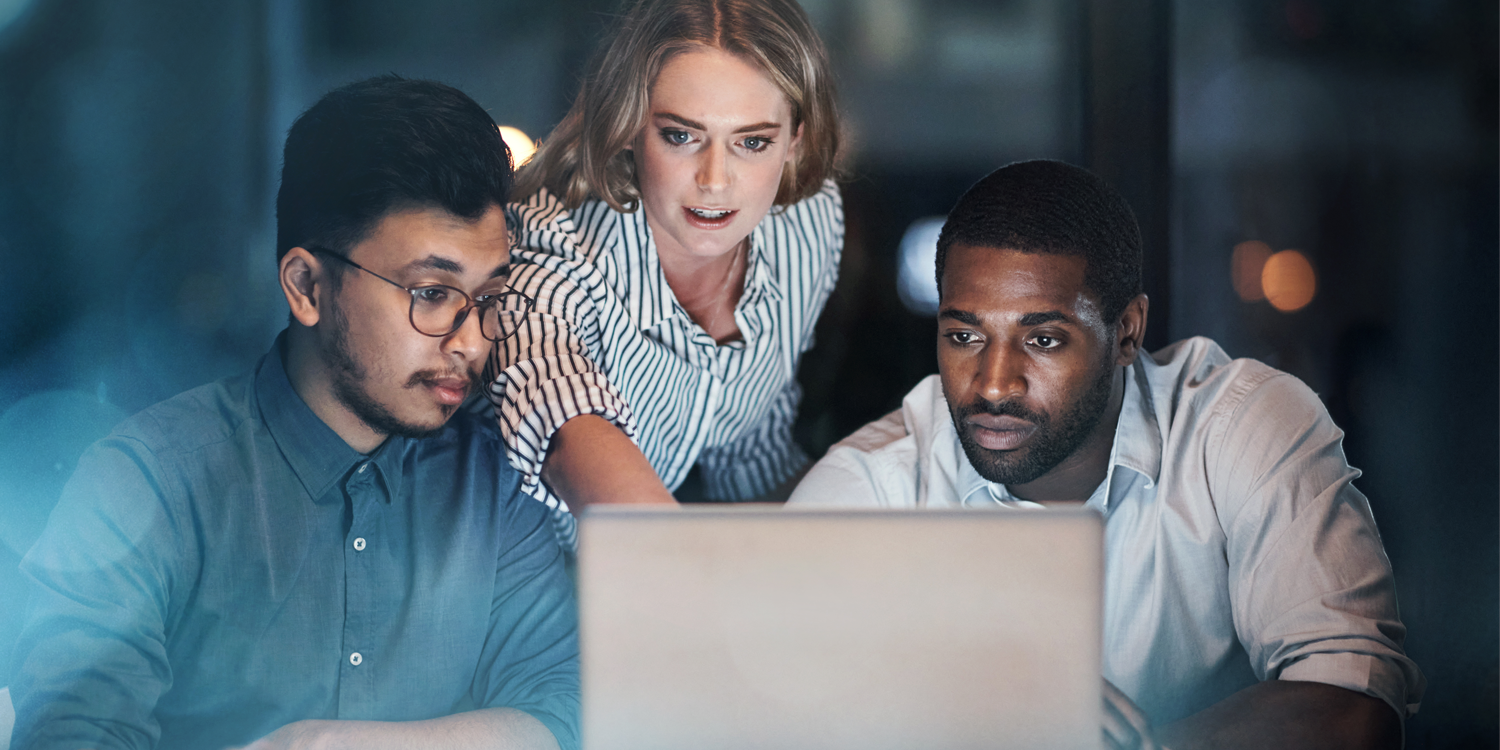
(327,551)
(1248,601)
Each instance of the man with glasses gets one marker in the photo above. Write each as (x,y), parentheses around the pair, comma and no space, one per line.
(327,551)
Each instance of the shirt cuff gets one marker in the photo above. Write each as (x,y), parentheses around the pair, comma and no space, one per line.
(1362,673)
(530,410)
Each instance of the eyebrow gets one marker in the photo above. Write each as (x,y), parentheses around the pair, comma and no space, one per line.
(694,124)
(1029,319)
(1038,318)
(439,263)
(435,263)
(962,316)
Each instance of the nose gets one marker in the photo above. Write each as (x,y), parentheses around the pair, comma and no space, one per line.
(1002,372)
(468,342)
(713,169)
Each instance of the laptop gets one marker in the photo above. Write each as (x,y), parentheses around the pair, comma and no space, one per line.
(724,628)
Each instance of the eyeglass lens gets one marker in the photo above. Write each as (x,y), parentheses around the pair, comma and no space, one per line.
(439,310)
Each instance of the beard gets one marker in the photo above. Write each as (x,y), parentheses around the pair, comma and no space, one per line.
(350,385)
(1053,440)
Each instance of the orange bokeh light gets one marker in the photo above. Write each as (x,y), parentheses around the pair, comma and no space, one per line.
(521,145)
(1245,269)
(1288,281)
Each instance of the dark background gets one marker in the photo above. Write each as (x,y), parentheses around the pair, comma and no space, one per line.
(139,149)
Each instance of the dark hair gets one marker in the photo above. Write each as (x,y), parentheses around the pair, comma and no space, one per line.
(1051,207)
(382,145)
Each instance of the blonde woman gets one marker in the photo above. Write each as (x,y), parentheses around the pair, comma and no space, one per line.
(680,234)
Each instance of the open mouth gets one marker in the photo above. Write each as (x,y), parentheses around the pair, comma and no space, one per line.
(709,218)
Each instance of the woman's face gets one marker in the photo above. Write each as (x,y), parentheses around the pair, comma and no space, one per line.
(709,159)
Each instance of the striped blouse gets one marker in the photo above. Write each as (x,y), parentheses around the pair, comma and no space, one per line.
(607,336)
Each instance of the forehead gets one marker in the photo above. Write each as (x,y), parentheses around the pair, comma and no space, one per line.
(713,86)
(987,280)
(415,234)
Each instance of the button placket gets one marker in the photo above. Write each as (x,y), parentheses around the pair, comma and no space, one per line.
(363,488)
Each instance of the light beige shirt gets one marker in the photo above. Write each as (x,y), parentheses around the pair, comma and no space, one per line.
(1237,548)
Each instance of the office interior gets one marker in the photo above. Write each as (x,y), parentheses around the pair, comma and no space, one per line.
(1316,184)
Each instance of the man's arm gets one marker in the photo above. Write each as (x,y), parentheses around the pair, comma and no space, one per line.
(486,728)
(1288,715)
(591,461)
(91,661)
(1312,592)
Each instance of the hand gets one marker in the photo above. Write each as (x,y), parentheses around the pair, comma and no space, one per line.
(1125,724)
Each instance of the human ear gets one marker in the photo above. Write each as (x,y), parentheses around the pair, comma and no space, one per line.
(1131,330)
(302,279)
(794,148)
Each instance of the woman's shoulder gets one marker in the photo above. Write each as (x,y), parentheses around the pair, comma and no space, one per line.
(542,223)
(812,223)
(828,198)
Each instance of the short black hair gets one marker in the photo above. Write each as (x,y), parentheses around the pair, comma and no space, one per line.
(382,145)
(1050,207)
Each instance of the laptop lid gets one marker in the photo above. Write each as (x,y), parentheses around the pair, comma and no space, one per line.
(782,628)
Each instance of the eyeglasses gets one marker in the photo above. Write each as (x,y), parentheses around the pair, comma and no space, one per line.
(438,310)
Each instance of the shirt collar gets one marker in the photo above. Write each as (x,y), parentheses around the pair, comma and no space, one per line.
(1137,446)
(316,454)
(657,303)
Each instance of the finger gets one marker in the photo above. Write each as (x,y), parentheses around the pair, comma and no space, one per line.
(1129,721)
(1119,733)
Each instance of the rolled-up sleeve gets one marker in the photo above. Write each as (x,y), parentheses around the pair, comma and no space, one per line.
(548,372)
(91,662)
(1313,594)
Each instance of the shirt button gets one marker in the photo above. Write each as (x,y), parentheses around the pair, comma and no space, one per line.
(362,467)
(359,544)
(355,658)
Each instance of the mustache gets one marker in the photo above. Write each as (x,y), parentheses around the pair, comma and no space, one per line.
(1007,408)
(423,377)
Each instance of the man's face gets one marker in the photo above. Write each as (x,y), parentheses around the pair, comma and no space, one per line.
(1025,356)
(392,378)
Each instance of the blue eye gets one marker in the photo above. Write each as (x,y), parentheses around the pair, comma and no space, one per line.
(757,143)
(676,137)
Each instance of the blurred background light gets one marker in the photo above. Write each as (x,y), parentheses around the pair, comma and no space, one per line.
(41,438)
(916,276)
(521,145)
(1288,281)
(11,10)
(1245,268)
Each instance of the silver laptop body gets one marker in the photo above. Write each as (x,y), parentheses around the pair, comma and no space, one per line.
(723,628)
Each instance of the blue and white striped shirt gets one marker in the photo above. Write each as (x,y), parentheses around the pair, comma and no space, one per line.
(608,337)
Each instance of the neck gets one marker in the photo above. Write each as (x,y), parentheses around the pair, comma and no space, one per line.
(1076,478)
(313,382)
(697,280)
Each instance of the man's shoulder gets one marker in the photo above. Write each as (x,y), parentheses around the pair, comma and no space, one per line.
(1196,373)
(881,463)
(470,444)
(194,419)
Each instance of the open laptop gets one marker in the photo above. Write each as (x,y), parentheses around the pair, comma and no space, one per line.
(725,628)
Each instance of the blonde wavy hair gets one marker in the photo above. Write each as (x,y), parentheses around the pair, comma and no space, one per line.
(586,156)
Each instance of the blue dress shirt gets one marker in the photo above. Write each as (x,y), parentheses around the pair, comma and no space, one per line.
(224,564)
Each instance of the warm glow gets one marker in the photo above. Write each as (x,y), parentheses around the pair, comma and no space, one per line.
(521,145)
(1245,269)
(1288,281)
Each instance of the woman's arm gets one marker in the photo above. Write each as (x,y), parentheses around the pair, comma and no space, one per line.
(592,461)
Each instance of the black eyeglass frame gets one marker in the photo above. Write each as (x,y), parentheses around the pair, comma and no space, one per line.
(458,318)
